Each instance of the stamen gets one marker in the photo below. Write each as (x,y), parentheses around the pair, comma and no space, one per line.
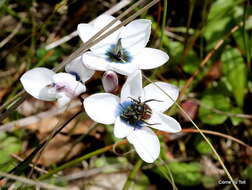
(116,53)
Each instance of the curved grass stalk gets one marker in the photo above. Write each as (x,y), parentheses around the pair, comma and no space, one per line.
(163,23)
(201,133)
(170,177)
(132,175)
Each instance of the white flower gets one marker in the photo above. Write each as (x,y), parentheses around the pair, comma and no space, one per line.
(126,113)
(124,50)
(45,84)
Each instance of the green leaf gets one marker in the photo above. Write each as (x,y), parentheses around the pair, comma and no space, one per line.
(236,120)
(209,182)
(214,101)
(220,20)
(187,174)
(247,173)
(202,146)
(110,164)
(8,145)
(191,61)
(236,73)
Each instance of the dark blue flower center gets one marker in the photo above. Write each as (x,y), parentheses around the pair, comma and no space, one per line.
(134,113)
(116,53)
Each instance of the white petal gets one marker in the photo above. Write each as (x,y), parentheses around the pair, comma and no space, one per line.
(146,143)
(69,84)
(164,123)
(99,23)
(123,69)
(77,66)
(35,82)
(149,58)
(132,87)
(94,62)
(151,91)
(86,31)
(121,129)
(102,107)
(63,100)
(135,35)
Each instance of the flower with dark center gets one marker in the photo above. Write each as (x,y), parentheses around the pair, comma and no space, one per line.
(124,51)
(135,111)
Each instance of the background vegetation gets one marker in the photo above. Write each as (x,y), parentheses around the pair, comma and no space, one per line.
(210,47)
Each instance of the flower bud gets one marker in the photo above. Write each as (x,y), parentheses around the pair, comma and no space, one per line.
(110,81)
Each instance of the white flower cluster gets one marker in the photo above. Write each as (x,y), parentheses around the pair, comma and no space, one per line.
(123,52)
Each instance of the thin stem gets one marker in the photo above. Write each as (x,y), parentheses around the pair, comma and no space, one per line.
(79,160)
(163,23)
(132,175)
(170,177)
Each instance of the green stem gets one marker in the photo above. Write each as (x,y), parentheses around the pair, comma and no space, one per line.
(78,160)
(132,175)
(163,24)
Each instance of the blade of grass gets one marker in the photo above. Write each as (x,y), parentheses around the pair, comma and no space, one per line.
(170,177)
(132,175)
(244,36)
(163,24)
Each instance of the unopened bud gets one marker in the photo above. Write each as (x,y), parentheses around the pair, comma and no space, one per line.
(110,81)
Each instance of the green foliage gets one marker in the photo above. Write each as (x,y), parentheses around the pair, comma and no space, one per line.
(8,145)
(236,120)
(45,57)
(247,173)
(191,61)
(235,72)
(187,174)
(220,20)
(202,146)
(214,101)
(111,164)
(209,182)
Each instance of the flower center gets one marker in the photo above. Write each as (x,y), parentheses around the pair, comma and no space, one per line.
(135,112)
(116,53)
